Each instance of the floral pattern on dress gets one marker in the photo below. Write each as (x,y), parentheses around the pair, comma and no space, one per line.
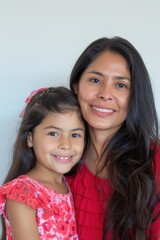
(54,211)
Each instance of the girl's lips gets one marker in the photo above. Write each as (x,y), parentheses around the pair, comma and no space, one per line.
(60,157)
(63,158)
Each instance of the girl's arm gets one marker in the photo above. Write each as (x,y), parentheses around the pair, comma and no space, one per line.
(22,220)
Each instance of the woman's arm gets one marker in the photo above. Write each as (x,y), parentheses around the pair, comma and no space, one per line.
(22,220)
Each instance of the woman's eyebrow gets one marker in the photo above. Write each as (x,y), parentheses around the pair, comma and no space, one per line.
(116,76)
(97,73)
(122,78)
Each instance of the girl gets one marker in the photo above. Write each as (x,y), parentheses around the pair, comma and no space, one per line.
(117,191)
(35,200)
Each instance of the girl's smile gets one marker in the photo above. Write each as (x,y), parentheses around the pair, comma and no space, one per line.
(58,143)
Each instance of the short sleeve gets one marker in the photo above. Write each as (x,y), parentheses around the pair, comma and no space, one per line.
(2,203)
(23,190)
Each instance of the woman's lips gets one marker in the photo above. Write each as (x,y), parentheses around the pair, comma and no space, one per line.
(103,110)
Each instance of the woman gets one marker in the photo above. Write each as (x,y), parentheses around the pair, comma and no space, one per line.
(116,191)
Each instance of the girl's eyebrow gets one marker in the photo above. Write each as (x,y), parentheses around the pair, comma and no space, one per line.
(116,77)
(57,128)
(49,127)
(78,129)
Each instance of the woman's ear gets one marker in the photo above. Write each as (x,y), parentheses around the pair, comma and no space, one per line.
(75,88)
(29,140)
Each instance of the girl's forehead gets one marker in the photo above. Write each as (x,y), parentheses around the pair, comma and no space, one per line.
(62,121)
(67,114)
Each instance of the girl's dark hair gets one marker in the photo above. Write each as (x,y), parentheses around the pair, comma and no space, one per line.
(58,100)
(130,152)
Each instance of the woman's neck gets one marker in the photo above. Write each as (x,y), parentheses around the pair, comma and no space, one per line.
(95,159)
(99,139)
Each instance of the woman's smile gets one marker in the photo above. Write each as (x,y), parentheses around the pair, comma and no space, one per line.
(104,90)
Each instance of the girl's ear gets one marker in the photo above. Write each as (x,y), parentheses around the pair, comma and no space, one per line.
(29,140)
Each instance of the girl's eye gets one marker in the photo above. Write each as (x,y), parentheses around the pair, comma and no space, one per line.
(53,134)
(76,135)
(95,80)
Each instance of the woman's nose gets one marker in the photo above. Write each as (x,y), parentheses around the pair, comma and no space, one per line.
(105,93)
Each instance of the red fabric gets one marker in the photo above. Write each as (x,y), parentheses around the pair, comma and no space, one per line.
(55,214)
(90,196)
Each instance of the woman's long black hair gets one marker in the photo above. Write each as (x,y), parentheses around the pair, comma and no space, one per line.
(130,152)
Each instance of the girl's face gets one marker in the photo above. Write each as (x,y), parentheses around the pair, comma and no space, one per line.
(58,142)
(103,92)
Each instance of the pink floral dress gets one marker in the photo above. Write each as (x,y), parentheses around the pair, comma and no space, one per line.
(54,211)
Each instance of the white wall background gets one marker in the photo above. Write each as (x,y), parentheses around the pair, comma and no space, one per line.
(41,39)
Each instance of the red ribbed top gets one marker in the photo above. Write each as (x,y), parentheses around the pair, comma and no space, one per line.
(90,193)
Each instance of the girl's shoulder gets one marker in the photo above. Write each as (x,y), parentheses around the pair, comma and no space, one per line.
(23,189)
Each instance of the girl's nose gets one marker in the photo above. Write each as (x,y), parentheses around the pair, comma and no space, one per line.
(64,143)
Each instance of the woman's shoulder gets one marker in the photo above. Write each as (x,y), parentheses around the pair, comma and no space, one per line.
(157,152)
(157,157)
(156,164)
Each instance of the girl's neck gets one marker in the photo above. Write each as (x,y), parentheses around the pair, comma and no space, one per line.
(50,180)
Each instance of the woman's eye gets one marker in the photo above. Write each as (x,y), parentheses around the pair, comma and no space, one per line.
(122,85)
(95,80)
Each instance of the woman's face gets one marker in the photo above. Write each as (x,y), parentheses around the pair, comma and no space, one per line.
(103,92)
